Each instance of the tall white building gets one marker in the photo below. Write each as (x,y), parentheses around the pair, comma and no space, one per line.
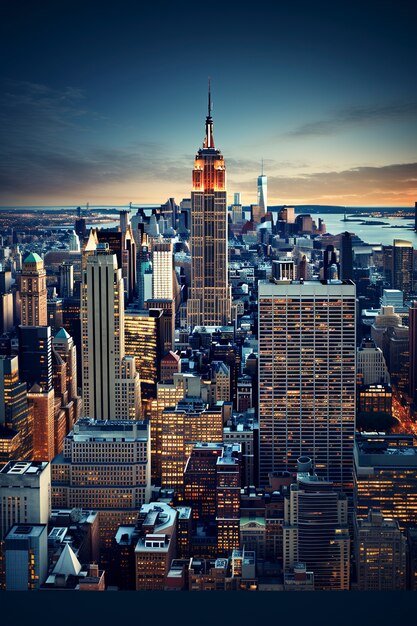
(263,192)
(25,494)
(370,364)
(74,242)
(163,289)
(110,385)
(307,377)
(162,271)
(25,498)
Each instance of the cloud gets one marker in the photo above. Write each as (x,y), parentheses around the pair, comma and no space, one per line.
(395,183)
(51,144)
(355,116)
(53,147)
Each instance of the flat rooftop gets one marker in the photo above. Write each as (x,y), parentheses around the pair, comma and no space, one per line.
(23,531)
(27,468)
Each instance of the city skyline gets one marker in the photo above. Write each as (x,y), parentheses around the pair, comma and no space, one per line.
(198,397)
(111,114)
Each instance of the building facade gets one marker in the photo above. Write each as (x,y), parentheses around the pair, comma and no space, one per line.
(380,550)
(104,375)
(33,293)
(210,298)
(316,531)
(105,466)
(307,377)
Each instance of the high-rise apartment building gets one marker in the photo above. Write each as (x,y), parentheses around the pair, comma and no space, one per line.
(168,395)
(66,279)
(237,210)
(370,364)
(189,422)
(200,480)
(26,552)
(380,554)
(162,271)
(210,298)
(402,266)
(41,404)
(412,352)
(346,256)
(163,296)
(6,312)
(14,410)
(144,341)
(156,547)
(25,498)
(24,494)
(33,293)
(63,344)
(385,476)
(104,373)
(35,355)
(307,377)
(9,445)
(105,466)
(316,530)
(228,484)
(167,321)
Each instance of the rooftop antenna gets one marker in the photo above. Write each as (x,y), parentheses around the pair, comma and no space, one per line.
(209,141)
(262,167)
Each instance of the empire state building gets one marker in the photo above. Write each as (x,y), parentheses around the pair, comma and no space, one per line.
(209,303)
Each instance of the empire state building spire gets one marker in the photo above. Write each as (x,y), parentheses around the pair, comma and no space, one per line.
(209,139)
(209,302)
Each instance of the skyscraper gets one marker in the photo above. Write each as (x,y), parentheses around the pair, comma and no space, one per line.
(262,192)
(371,367)
(64,345)
(105,465)
(103,343)
(14,409)
(190,421)
(346,256)
(122,244)
(144,341)
(25,497)
(307,377)
(412,350)
(329,259)
(33,294)
(402,267)
(41,403)
(162,271)
(385,476)
(163,280)
(210,298)
(35,355)
(316,530)
(66,280)
(26,550)
(380,550)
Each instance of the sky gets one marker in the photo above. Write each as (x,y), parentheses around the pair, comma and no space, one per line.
(107,105)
